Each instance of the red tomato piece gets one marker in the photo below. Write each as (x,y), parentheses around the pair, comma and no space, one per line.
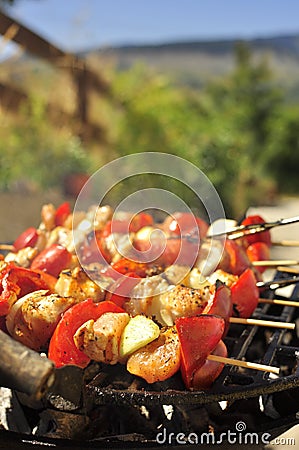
(245,294)
(199,336)
(61,214)
(258,251)
(119,291)
(238,259)
(205,376)
(264,236)
(139,221)
(94,250)
(28,238)
(125,266)
(115,226)
(181,251)
(52,260)
(150,248)
(62,349)
(181,223)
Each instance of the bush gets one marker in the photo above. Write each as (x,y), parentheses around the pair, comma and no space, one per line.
(35,154)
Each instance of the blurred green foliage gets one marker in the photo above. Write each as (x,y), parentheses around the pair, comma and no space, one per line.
(227,129)
(238,130)
(36,156)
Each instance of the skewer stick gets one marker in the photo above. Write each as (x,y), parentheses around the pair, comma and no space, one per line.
(288,270)
(245,364)
(276,301)
(275,284)
(286,243)
(7,247)
(275,263)
(263,323)
(245,230)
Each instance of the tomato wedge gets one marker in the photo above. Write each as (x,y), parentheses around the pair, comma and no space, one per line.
(264,236)
(139,221)
(181,223)
(245,294)
(258,251)
(94,250)
(178,251)
(125,266)
(199,336)
(28,238)
(52,260)
(62,349)
(61,214)
(119,291)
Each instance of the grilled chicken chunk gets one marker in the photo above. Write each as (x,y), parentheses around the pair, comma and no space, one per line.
(77,284)
(33,318)
(100,339)
(182,301)
(158,360)
(173,302)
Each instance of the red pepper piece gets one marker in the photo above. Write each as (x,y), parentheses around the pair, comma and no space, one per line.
(245,294)
(52,260)
(220,303)
(62,349)
(15,282)
(199,336)
(205,376)
(239,260)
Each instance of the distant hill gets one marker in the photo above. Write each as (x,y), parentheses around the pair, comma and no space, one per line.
(194,62)
(187,62)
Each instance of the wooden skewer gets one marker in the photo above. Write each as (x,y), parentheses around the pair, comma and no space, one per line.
(7,247)
(245,364)
(276,301)
(263,323)
(275,263)
(288,270)
(286,243)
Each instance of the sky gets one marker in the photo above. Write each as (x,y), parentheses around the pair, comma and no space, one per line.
(76,25)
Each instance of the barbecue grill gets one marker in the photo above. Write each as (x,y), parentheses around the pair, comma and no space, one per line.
(122,411)
(119,410)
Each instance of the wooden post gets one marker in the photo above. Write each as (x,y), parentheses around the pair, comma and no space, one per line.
(80,74)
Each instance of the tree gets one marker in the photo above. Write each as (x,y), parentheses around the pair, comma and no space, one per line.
(224,128)
(282,154)
(240,109)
